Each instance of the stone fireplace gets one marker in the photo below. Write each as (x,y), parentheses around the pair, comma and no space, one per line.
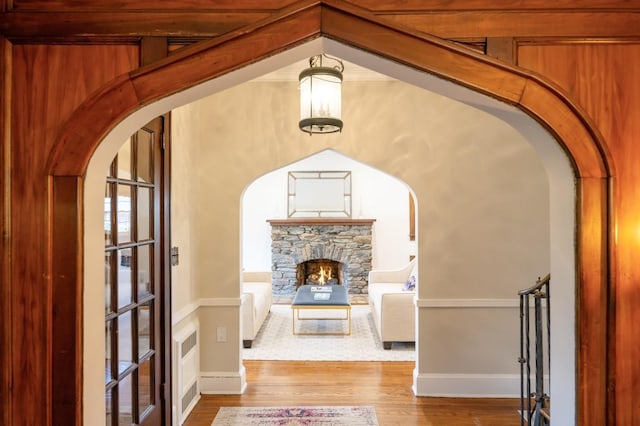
(311,250)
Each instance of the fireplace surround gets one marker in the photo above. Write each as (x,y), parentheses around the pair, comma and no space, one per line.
(347,242)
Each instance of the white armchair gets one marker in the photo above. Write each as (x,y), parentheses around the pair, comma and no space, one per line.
(256,302)
(393,307)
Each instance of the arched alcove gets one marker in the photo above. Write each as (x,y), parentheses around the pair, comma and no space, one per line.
(111,115)
(264,199)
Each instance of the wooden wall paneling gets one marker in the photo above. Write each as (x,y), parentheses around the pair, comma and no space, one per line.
(602,77)
(52,81)
(620,118)
(5,225)
(30,300)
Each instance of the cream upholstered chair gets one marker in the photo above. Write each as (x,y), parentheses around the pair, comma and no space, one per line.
(392,303)
(256,303)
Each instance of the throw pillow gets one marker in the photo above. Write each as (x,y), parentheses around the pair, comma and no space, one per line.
(410,284)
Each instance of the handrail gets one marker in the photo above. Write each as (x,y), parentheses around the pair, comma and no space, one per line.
(540,282)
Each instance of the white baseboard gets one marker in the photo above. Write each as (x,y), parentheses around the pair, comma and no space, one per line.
(467,385)
(216,383)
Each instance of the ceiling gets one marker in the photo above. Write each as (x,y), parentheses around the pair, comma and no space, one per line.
(352,72)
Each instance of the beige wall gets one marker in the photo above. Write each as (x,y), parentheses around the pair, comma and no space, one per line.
(183,226)
(483,200)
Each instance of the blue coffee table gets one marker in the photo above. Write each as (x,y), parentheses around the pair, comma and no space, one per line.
(330,297)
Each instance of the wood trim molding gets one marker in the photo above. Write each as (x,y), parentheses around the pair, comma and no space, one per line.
(51,23)
(385,6)
(6,307)
(66,294)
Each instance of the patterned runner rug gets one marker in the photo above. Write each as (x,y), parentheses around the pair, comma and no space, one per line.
(307,416)
(276,341)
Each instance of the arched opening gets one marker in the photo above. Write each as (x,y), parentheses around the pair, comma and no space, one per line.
(268,201)
(588,160)
(383,244)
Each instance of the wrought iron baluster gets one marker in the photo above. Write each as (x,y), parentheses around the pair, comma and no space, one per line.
(522,359)
(536,415)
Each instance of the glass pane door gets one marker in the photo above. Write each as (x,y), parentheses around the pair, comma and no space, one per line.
(132,281)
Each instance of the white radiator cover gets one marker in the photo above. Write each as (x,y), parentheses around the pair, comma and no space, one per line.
(187,365)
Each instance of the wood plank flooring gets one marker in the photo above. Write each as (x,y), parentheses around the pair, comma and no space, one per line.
(384,385)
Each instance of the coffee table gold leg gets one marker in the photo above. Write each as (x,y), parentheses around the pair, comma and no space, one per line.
(293,318)
(296,314)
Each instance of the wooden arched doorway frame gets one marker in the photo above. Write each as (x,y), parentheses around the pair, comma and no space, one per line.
(351,26)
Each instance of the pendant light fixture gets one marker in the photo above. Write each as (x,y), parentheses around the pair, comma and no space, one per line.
(320,96)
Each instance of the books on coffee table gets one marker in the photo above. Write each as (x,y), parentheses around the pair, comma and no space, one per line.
(321,289)
(321,296)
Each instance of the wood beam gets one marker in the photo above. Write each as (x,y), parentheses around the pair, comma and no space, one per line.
(56,26)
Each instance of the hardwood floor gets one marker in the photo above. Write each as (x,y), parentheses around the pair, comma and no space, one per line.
(384,385)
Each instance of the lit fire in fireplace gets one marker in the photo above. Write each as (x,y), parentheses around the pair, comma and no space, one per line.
(325,275)
(319,272)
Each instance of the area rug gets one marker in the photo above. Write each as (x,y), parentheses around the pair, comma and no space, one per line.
(276,341)
(307,416)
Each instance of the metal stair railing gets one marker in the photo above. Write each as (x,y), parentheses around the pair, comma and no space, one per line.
(534,406)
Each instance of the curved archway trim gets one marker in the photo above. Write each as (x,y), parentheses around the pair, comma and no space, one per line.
(352,26)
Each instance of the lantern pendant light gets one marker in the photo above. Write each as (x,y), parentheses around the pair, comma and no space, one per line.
(320,96)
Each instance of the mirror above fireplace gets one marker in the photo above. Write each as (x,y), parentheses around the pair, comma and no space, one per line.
(319,194)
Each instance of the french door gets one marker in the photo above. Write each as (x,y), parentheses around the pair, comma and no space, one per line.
(135,285)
